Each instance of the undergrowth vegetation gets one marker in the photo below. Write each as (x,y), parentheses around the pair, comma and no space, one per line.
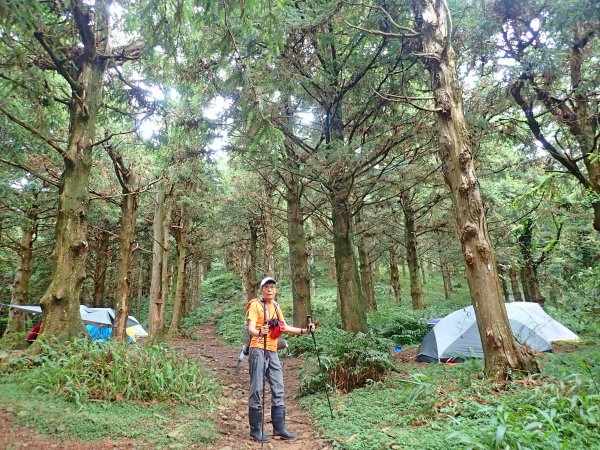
(114,390)
(84,370)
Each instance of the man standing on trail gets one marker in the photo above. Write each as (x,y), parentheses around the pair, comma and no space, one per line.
(265,362)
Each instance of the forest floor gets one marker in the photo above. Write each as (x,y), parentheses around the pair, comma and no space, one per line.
(231,413)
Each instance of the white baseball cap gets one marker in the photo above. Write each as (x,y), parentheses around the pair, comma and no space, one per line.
(267,280)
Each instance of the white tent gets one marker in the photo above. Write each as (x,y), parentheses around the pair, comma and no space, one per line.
(457,335)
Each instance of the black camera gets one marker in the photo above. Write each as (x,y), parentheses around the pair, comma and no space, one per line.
(273,323)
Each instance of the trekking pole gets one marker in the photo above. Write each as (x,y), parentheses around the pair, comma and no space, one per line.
(262,425)
(308,322)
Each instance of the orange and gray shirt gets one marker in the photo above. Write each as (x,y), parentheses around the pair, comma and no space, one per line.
(256,312)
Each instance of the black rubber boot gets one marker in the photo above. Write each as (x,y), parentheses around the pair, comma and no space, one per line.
(278,419)
(255,419)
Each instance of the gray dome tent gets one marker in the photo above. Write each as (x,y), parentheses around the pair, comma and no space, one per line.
(456,336)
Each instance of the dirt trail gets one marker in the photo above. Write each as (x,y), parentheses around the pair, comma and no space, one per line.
(231,415)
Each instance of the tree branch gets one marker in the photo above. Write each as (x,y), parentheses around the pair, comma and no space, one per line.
(35,132)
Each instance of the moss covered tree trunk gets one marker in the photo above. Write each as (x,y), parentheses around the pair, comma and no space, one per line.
(129,205)
(352,310)
(20,294)
(395,275)
(60,303)
(367,281)
(410,240)
(446,278)
(514,285)
(182,251)
(503,354)
(102,248)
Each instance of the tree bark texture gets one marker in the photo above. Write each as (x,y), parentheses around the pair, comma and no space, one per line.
(20,294)
(410,239)
(354,318)
(395,276)
(179,298)
(129,205)
(366,269)
(155,301)
(102,259)
(530,280)
(503,284)
(165,272)
(249,279)
(514,285)
(298,253)
(446,278)
(503,354)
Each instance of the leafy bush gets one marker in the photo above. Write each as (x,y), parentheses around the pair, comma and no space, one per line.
(402,327)
(83,370)
(348,360)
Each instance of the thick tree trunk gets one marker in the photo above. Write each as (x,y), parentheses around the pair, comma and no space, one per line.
(179,298)
(410,238)
(352,310)
(298,253)
(155,301)
(20,294)
(129,205)
(394,275)
(101,267)
(514,285)
(503,354)
(366,269)
(60,303)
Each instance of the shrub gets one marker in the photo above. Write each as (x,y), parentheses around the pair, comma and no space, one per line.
(348,360)
(84,370)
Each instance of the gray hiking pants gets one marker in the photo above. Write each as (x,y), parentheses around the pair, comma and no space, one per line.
(274,376)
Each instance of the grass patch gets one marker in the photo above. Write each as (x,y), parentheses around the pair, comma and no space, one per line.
(149,424)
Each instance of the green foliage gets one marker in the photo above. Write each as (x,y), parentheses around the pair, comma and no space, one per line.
(556,416)
(13,341)
(231,322)
(401,326)
(348,360)
(84,370)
